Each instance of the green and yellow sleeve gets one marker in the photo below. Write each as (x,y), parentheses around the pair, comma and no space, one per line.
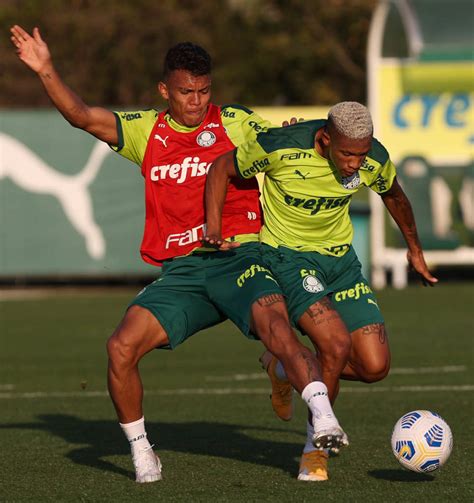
(250,159)
(133,129)
(383,178)
(242,124)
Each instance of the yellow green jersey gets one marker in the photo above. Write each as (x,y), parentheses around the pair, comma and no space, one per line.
(134,128)
(305,199)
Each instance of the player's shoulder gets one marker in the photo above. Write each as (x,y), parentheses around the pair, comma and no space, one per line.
(299,135)
(234,110)
(378,152)
(144,116)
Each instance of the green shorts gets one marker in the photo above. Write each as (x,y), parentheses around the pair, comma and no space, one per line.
(201,290)
(306,277)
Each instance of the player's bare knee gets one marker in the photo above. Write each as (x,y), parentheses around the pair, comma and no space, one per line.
(120,351)
(341,348)
(375,371)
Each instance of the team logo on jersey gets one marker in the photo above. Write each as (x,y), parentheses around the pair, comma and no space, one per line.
(206,139)
(351,182)
(312,284)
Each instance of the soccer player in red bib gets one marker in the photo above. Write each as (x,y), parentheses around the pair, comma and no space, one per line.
(199,287)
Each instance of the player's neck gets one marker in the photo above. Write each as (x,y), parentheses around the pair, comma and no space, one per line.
(174,124)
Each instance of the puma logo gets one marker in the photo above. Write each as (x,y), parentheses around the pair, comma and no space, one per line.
(163,140)
(298,172)
(27,170)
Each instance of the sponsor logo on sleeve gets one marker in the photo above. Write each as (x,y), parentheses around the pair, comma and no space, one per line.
(131,116)
(256,167)
(256,127)
(381,183)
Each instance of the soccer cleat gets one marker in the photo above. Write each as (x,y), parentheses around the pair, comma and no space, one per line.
(147,465)
(282,391)
(328,434)
(313,466)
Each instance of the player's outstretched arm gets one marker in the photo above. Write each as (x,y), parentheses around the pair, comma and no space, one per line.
(34,52)
(399,207)
(218,176)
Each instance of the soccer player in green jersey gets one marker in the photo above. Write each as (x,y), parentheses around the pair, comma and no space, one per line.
(197,288)
(312,169)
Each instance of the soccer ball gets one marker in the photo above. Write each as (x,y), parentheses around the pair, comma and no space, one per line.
(422,441)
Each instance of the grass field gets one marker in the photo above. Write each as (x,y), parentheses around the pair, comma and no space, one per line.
(208,411)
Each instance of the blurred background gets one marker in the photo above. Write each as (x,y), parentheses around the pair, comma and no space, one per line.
(71,211)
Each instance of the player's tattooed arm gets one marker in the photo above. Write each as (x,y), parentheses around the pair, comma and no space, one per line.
(400,209)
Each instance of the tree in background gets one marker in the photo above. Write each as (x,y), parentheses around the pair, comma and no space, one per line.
(266,52)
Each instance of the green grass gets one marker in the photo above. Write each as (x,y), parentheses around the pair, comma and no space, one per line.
(219,447)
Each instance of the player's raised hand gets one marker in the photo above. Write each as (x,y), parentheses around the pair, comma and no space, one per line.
(418,264)
(214,241)
(32,50)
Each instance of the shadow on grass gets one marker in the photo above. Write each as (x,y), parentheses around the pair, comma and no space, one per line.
(400,475)
(104,438)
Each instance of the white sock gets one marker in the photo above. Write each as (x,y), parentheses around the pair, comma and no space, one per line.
(280,372)
(136,434)
(316,396)
(308,446)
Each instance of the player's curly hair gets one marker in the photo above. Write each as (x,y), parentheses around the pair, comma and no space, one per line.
(187,56)
(351,119)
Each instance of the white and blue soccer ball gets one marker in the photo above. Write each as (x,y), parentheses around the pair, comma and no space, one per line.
(422,441)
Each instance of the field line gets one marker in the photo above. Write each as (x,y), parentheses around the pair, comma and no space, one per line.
(255,376)
(231,391)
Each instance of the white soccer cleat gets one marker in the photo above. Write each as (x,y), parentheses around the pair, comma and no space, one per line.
(147,465)
(328,434)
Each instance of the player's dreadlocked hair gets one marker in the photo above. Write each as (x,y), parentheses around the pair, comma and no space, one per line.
(187,56)
(351,119)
